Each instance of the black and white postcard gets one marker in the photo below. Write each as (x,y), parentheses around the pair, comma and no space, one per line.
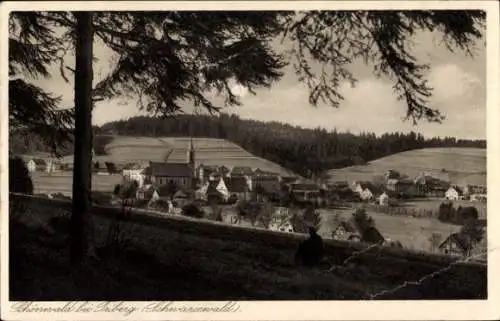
(250,160)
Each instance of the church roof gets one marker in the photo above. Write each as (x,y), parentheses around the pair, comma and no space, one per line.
(171,169)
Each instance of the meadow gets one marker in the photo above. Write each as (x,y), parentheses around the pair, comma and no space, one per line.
(208,151)
(62,182)
(413,233)
(457,165)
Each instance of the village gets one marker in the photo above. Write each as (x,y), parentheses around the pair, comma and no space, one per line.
(170,187)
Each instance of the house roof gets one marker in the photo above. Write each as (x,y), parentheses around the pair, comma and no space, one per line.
(372,235)
(170,169)
(269,185)
(459,190)
(243,170)
(304,187)
(236,184)
(458,238)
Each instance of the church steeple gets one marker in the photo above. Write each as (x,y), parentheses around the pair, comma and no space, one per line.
(190,152)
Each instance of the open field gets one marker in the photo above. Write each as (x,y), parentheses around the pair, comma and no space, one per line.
(173,259)
(461,165)
(209,151)
(413,233)
(62,182)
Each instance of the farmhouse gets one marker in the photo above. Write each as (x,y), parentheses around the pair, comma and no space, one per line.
(402,186)
(456,244)
(454,193)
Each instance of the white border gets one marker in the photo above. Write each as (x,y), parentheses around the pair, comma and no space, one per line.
(292,310)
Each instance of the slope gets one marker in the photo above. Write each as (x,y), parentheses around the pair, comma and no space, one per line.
(454,164)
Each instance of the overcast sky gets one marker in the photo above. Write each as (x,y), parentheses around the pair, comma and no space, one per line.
(459,84)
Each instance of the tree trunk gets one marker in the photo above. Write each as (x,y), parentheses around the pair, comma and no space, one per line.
(82,169)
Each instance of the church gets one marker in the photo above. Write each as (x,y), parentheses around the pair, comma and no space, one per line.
(182,174)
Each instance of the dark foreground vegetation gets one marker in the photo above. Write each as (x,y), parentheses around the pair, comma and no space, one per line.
(304,151)
(187,262)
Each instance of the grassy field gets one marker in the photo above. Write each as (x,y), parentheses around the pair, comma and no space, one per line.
(461,165)
(209,151)
(413,233)
(62,182)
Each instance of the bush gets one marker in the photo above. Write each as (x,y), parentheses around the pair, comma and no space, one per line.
(192,210)
(19,177)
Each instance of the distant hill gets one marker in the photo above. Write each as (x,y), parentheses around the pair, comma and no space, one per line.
(457,165)
(208,151)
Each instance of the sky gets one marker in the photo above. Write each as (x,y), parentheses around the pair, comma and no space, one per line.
(459,83)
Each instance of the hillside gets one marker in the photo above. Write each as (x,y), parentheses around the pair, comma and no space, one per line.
(208,151)
(304,151)
(172,258)
(457,165)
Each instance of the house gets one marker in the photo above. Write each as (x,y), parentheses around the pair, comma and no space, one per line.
(241,171)
(479,198)
(456,244)
(345,232)
(204,172)
(431,186)
(147,192)
(36,165)
(133,172)
(181,174)
(265,186)
(366,190)
(305,192)
(237,186)
(391,174)
(287,179)
(383,199)
(470,190)
(372,236)
(454,193)
(402,186)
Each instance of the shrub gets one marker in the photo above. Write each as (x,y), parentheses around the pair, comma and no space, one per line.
(19,177)
(192,210)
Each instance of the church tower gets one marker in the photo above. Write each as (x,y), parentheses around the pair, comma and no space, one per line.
(190,153)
